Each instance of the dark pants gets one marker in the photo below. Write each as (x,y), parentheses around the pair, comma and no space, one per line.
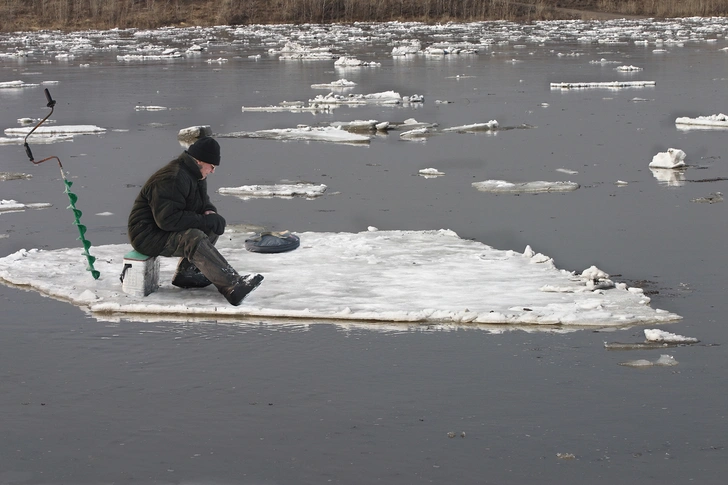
(183,244)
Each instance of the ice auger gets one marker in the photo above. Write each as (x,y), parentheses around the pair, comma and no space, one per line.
(73,198)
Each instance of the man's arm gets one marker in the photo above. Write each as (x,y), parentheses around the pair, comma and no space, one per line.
(168,208)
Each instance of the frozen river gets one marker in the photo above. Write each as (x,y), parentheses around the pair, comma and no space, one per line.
(90,401)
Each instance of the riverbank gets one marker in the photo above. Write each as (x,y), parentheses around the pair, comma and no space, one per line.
(68,15)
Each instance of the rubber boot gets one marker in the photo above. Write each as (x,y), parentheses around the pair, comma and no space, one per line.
(227,281)
(188,276)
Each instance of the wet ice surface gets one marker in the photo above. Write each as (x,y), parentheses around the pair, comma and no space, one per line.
(180,400)
(371,276)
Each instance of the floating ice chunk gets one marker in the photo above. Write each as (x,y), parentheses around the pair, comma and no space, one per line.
(14,206)
(150,108)
(607,84)
(450,49)
(53,130)
(656,335)
(414,98)
(293,107)
(672,158)
(194,132)
(304,132)
(411,124)
(277,190)
(345,61)
(430,172)
(385,97)
(503,186)
(361,125)
(718,120)
(15,84)
(15,176)
(664,360)
(488,126)
(295,51)
(567,170)
(419,134)
(603,61)
(173,54)
(713,198)
(33,121)
(341,83)
(44,139)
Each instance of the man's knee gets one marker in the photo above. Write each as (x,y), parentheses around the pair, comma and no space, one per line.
(189,241)
(183,243)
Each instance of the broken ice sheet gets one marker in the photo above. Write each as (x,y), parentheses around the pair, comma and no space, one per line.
(484,285)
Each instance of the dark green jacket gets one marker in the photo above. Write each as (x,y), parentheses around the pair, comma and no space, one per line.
(172,200)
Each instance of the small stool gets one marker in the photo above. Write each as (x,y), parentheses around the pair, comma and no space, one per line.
(140,275)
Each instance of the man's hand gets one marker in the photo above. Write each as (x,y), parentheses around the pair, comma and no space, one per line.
(214,222)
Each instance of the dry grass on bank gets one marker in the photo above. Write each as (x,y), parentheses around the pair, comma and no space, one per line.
(665,8)
(18,15)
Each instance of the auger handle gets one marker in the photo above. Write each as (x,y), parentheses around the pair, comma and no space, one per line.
(51,101)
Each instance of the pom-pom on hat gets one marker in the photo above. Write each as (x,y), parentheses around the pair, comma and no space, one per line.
(205,149)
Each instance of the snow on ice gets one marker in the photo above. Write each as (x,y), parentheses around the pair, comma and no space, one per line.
(424,277)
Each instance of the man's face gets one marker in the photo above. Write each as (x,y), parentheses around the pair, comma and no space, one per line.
(205,168)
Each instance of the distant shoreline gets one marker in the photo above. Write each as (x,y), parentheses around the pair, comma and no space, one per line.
(68,15)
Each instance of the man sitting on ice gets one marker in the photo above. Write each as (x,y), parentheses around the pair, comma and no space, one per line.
(173,216)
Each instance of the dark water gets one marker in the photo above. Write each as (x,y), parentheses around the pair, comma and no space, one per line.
(86,401)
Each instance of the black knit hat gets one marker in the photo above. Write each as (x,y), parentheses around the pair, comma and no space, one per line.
(205,149)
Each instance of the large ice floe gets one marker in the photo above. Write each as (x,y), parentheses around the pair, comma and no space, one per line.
(424,277)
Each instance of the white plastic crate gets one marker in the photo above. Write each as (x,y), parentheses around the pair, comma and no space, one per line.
(140,274)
